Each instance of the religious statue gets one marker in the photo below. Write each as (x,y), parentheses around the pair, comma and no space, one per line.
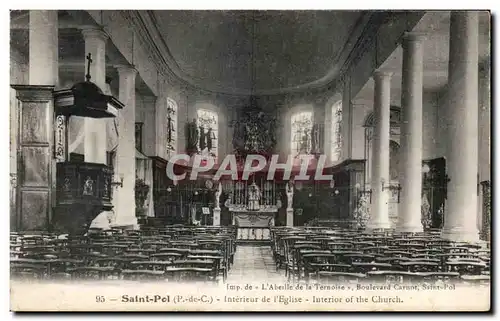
(170,128)
(278,202)
(210,135)
(192,137)
(304,143)
(289,195)
(88,187)
(141,190)
(229,201)
(254,196)
(315,144)
(193,216)
(361,213)
(217,196)
(203,140)
(426,212)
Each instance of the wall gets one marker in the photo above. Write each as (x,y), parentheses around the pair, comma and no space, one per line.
(430,126)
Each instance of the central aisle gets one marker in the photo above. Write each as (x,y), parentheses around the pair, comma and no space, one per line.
(254,263)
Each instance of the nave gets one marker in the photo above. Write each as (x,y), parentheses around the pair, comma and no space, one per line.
(180,254)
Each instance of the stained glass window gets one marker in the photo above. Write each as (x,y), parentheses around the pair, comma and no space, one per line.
(171,130)
(337,131)
(208,125)
(302,124)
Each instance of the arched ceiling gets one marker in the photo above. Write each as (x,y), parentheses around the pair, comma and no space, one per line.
(258,52)
(435,25)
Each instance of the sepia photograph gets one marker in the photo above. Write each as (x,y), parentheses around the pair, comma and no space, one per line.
(250,160)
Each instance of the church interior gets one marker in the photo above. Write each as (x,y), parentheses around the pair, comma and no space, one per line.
(395,104)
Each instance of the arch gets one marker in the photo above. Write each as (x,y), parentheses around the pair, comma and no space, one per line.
(333,100)
(395,117)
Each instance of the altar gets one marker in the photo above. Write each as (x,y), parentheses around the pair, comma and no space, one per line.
(253,225)
(253,210)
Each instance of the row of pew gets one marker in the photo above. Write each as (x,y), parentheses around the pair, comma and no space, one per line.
(330,254)
(175,253)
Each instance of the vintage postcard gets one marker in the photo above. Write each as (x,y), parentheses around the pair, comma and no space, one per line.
(250,160)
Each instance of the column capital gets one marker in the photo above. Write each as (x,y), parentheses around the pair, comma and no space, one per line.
(412,36)
(382,74)
(126,70)
(94,33)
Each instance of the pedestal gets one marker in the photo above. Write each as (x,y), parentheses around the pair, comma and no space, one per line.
(34,170)
(216,220)
(253,226)
(289,217)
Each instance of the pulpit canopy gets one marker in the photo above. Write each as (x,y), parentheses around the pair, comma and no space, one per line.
(86,99)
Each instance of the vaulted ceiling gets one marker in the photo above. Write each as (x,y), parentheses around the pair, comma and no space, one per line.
(258,52)
(435,25)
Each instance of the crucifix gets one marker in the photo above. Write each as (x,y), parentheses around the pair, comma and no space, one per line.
(89,61)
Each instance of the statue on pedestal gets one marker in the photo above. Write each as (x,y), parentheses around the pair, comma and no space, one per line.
(229,201)
(254,196)
(217,196)
(289,195)
(426,212)
(192,137)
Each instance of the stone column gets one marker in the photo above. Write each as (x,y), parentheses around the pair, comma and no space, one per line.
(124,197)
(379,212)
(43,47)
(461,211)
(410,172)
(484,153)
(95,139)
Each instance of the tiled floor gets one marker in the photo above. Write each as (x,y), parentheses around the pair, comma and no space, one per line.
(254,263)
